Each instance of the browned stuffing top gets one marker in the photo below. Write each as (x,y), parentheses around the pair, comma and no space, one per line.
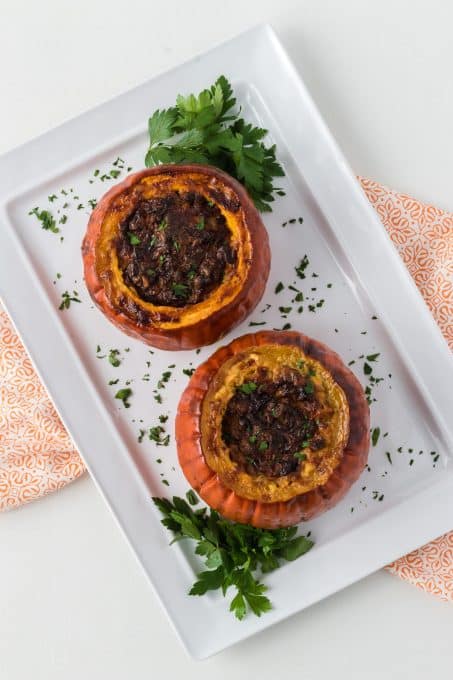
(268,424)
(173,250)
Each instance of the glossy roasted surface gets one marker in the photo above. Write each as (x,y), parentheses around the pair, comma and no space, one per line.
(268,424)
(173,249)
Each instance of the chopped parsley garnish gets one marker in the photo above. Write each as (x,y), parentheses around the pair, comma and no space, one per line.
(133,239)
(188,371)
(200,224)
(263,446)
(157,435)
(300,455)
(47,220)
(180,289)
(375,435)
(373,357)
(279,287)
(113,357)
(302,266)
(367,368)
(165,377)
(232,552)
(309,388)
(248,387)
(123,395)
(207,129)
(67,298)
(257,323)
(114,382)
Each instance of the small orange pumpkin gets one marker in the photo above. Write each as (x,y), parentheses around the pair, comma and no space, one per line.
(323,473)
(126,276)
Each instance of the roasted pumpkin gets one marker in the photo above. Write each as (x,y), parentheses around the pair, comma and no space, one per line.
(176,255)
(272,429)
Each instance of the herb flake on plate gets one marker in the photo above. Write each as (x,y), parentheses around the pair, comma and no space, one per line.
(124,395)
(47,220)
(67,298)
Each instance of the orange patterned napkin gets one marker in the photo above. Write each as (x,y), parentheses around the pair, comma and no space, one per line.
(38,457)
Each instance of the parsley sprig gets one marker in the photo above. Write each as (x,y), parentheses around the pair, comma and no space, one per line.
(231,552)
(207,129)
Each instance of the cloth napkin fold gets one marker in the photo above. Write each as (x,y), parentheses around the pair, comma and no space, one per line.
(38,457)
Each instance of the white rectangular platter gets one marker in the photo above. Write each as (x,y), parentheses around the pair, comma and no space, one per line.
(353,267)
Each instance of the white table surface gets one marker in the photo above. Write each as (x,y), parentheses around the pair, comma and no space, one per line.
(73,600)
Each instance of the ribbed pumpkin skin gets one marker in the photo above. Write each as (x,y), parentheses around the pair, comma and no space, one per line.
(305,506)
(201,332)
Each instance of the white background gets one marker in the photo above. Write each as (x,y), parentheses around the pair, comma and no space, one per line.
(73,601)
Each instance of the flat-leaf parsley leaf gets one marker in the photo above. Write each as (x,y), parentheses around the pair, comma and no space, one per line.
(207,129)
(232,552)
